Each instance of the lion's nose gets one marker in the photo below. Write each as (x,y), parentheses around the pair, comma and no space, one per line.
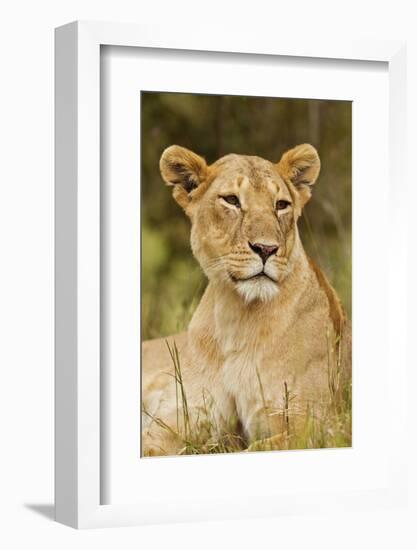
(263,250)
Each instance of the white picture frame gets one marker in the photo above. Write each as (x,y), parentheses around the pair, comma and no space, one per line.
(78,293)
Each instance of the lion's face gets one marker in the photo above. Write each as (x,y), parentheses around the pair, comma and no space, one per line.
(249,216)
(244,213)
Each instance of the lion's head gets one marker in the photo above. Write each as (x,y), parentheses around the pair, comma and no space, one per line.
(244,213)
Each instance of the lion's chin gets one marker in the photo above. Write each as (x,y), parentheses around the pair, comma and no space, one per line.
(259,289)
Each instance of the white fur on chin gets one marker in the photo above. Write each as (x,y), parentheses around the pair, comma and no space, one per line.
(262,289)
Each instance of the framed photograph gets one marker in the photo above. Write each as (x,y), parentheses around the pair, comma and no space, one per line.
(225,343)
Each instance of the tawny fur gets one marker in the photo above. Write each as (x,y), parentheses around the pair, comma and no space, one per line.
(252,341)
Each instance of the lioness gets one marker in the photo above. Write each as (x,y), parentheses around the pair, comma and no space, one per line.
(269,340)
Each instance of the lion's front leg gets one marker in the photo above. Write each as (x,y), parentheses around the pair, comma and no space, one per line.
(266,429)
(274,443)
(272,424)
(184,431)
(160,436)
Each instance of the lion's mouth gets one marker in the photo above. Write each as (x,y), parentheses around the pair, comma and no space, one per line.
(259,275)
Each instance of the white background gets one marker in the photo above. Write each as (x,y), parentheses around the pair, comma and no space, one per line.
(26,274)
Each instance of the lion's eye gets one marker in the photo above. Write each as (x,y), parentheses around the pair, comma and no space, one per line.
(232,199)
(282,205)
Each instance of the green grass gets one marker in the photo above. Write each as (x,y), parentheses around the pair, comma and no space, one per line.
(198,433)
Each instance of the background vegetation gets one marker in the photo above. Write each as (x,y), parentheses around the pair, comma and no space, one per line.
(212,126)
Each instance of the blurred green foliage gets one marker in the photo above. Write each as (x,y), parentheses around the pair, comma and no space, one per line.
(213,126)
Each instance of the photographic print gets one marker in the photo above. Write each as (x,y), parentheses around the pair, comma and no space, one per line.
(245,274)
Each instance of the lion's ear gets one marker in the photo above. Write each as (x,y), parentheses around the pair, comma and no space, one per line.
(301,166)
(184,170)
